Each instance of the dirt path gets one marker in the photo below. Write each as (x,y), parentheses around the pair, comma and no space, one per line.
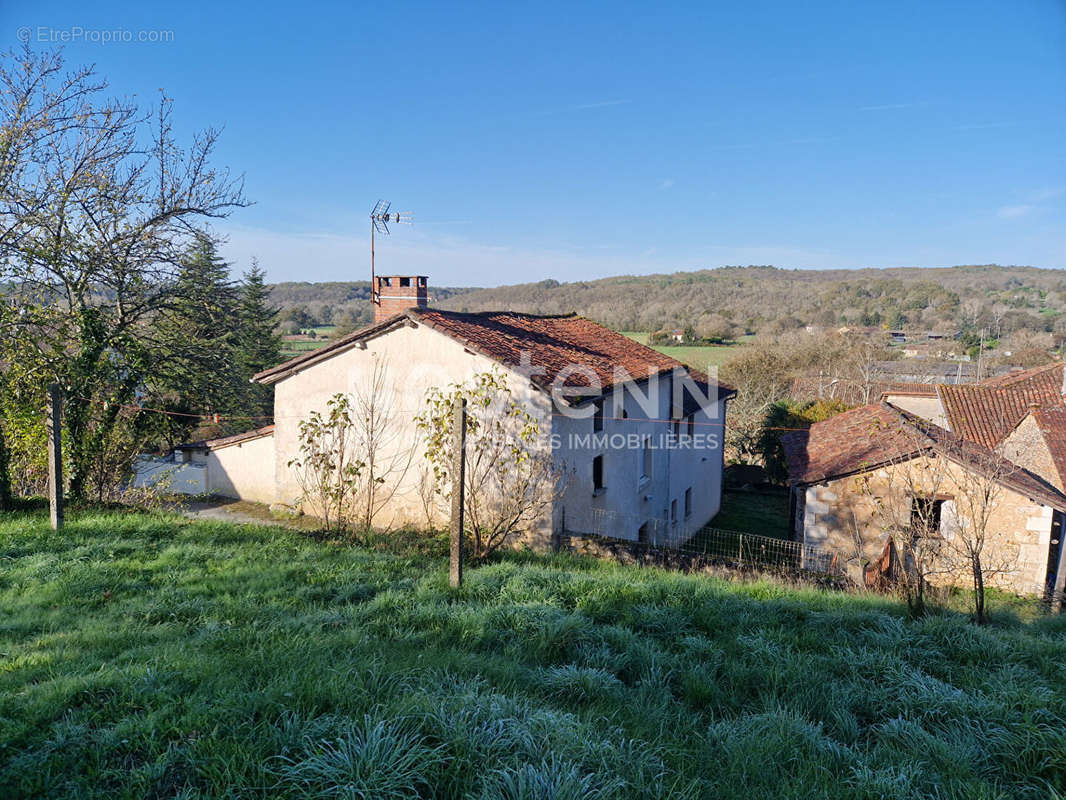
(221,510)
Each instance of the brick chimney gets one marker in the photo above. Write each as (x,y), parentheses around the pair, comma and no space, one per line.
(394,294)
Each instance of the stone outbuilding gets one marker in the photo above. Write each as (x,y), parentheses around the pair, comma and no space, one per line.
(862,477)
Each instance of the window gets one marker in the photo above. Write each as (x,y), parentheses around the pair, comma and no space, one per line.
(597,417)
(597,474)
(688,502)
(385,281)
(925,516)
(405,281)
(647,458)
(421,281)
(673,511)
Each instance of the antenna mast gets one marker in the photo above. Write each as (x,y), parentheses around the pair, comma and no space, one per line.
(379,223)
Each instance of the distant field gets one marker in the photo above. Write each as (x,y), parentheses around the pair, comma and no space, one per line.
(290,349)
(698,357)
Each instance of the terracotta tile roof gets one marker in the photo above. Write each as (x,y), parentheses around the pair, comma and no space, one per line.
(1049,375)
(854,441)
(1052,423)
(986,412)
(870,436)
(552,344)
(546,345)
(910,389)
(239,438)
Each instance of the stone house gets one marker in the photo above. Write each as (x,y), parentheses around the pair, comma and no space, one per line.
(860,476)
(637,433)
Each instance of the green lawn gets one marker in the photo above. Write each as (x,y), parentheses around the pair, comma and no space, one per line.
(150,656)
(698,357)
(762,513)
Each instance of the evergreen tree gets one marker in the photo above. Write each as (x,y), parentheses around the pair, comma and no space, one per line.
(198,337)
(258,345)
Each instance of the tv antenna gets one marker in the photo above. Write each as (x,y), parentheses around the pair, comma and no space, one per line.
(380,217)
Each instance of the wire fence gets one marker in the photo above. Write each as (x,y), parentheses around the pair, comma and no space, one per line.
(673,544)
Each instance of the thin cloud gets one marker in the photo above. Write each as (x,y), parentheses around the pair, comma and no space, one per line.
(1033,203)
(980,126)
(1014,212)
(667,183)
(1046,194)
(742,146)
(582,107)
(888,107)
(813,140)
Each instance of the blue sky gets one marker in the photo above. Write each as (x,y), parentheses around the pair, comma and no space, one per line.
(579,140)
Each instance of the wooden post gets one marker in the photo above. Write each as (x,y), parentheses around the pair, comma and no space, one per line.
(458,487)
(54,427)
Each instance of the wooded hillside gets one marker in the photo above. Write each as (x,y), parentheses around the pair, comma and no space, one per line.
(757,298)
(752,299)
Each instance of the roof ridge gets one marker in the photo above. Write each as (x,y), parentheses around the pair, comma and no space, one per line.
(430,309)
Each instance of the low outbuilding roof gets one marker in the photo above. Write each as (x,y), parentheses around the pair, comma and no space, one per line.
(872,436)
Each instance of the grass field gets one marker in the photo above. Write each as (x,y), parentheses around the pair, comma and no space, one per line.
(761,513)
(290,348)
(698,357)
(151,656)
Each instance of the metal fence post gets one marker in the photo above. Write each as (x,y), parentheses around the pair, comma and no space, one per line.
(458,487)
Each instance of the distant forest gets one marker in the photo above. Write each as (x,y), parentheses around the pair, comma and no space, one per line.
(343,304)
(744,300)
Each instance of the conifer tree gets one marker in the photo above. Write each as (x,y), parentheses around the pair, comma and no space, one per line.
(258,345)
(198,373)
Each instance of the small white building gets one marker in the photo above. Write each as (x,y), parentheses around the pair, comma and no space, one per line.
(239,466)
(638,434)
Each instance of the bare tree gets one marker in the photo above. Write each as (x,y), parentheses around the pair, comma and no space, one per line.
(98,206)
(971,310)
(905,497)
(380,439)
(938,502)
(861,367)
(760,376)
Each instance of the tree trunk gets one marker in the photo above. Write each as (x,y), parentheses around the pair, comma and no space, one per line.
(978,591)
(5,476)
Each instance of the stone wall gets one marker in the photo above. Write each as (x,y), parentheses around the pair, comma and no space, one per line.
(852,516)
(1026,447)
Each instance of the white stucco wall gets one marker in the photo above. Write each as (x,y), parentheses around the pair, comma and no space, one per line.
(244,470)
(922,406)
(628,500)
(420,358)
(417,359)
(168,476)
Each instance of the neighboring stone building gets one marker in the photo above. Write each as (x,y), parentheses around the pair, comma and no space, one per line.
(986,411)
(873,469)
(612,435)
